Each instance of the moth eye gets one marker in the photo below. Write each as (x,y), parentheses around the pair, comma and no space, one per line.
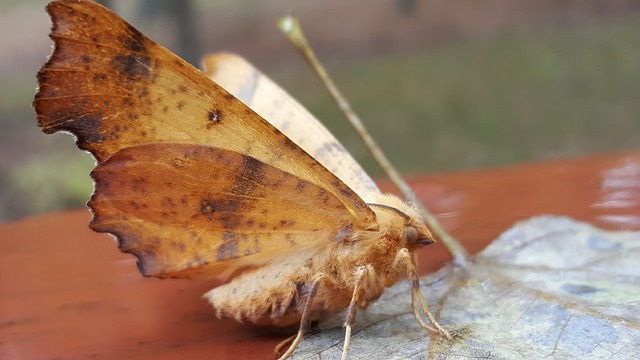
(411,234)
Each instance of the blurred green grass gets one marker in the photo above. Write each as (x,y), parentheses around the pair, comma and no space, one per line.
(528,93)
(531,93)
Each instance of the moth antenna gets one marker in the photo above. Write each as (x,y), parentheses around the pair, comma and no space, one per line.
(290,26)
(389,208)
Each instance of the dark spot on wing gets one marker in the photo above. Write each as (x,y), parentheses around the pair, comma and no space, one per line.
(85,126)
(344,190)
(324,196)
(215,116)
(208,207)
(135,41)
(229,248)
(289,239)
(168,202)
(132,65)
(251,175)
(287,223)
(301,185)
(211,206)
(178,63)
(231,220)
(139,184)
(290,144)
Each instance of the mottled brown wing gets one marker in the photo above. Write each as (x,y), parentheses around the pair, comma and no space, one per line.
(113,88)
(185,210)
(119,93)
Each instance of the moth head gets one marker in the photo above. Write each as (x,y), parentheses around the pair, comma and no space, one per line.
(414,232)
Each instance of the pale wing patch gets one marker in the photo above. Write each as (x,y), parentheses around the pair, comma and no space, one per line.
(275,105)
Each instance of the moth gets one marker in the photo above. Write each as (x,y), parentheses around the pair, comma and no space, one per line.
(195,183)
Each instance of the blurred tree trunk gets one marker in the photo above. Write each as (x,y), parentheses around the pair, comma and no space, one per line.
(181,14)
(188,39)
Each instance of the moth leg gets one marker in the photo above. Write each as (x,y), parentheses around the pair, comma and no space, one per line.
(304,320)
(284,343)
(416,294)
(351,312)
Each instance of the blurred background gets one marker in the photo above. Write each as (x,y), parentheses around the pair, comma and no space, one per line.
(443,85)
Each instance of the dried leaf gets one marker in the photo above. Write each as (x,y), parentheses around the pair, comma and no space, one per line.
(549,287)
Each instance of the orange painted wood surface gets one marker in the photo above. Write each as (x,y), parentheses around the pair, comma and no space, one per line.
(68,293)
